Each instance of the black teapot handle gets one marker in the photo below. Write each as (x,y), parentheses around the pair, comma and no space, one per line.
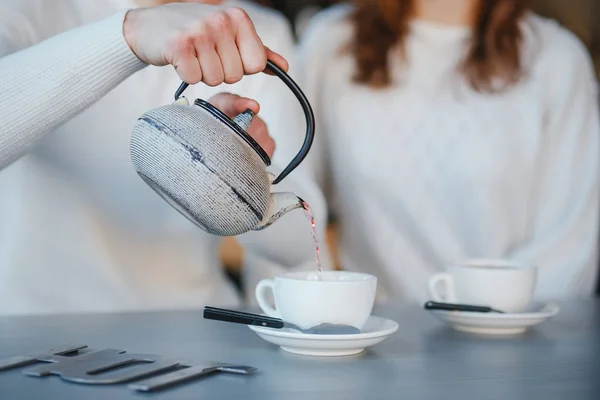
(308,112)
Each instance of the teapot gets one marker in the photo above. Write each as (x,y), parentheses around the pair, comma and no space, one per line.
(206,166)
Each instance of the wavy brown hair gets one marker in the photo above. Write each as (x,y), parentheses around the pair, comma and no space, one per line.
(494,52)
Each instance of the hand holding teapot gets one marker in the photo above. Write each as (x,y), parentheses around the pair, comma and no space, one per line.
(204,43)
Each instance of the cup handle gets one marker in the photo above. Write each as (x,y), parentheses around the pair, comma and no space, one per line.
(260,293)
(445,279)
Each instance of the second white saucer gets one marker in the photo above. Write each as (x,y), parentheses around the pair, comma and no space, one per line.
(495,323)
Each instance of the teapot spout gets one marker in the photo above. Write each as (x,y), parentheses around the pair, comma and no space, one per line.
(281,204)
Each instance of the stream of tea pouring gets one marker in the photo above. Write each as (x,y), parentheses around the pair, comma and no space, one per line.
(311,219)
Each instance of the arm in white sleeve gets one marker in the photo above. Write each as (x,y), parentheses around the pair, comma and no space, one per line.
(286,245)
(45,84)
(564,235)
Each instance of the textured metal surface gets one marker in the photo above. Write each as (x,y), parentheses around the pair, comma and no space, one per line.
(20,361)
(186,375)
(98,368)
(112,366)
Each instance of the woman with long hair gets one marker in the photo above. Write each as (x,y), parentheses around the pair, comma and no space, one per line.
(455,129)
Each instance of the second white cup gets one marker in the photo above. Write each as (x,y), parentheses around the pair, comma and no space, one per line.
(501,284)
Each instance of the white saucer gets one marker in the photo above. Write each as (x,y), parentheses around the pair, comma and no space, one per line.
(375,331)
(496,323)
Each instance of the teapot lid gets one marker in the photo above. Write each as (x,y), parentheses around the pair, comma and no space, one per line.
(308,112)
(222,117)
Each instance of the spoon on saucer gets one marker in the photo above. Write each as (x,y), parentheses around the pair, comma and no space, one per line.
(434,305)
(245,318)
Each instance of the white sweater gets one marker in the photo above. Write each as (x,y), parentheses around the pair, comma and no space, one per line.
(427,172)
(79,230)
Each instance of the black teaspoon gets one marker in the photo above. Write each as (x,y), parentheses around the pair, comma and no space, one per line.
(240,317)
(433,305)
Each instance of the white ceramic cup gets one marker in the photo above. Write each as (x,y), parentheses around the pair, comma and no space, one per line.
(340,297)
(501,284)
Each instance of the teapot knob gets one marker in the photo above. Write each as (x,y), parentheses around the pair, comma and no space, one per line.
(244,119)
(182,101)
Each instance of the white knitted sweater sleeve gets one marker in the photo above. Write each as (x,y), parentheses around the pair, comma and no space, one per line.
(46,84)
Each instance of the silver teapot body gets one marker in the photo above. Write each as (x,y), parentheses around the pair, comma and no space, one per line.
(198,179)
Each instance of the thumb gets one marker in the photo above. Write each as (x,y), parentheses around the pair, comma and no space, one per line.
(232,104)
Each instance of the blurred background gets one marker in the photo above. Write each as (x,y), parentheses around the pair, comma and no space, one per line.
(582,17)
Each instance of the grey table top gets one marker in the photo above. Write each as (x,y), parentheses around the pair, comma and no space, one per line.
(424,359)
